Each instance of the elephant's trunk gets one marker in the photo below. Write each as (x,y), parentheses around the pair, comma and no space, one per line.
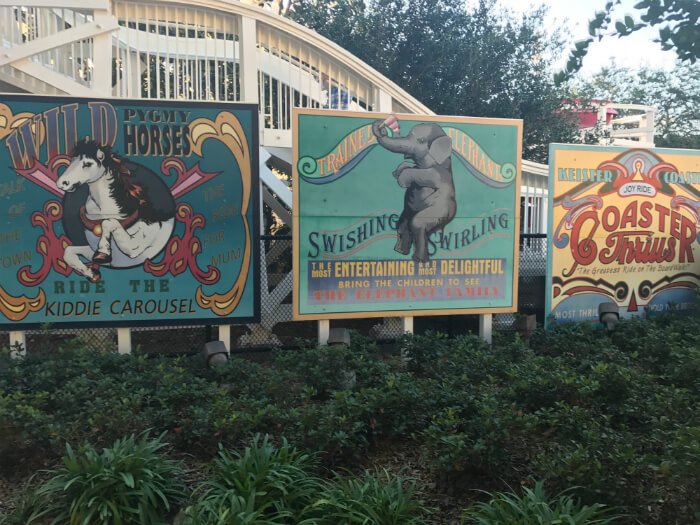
(396,144)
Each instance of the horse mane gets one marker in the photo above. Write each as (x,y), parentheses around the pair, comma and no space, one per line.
(128,195)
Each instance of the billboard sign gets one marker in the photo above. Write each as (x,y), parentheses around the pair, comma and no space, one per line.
(404,215)
(624,226)
(126,213)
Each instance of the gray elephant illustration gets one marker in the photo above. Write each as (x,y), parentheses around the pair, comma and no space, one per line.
(429,202)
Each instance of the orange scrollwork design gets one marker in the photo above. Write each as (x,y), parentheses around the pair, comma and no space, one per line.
(9,122)
(17,308)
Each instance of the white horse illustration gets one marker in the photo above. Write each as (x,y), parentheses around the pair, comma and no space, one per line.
(116,213)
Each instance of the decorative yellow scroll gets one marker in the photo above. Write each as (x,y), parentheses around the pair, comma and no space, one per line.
(17,308)
(228,130)
(10,122)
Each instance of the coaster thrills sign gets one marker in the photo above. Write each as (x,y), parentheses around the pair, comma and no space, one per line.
(106,202)
(404,214)
(625,228)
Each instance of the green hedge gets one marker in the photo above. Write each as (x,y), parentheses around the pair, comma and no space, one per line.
(614,415)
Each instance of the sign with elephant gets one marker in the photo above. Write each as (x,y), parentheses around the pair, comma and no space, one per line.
(625,226)
(127,213)
(403,215)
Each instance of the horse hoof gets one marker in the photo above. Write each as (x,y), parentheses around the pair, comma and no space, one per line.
(95,274)
(101,258)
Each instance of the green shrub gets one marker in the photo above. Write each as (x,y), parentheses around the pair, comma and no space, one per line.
(612,413)
(381,499)
(477,437)
(533,507)
(132,482)
(574,339)
(322,370)
(263,484)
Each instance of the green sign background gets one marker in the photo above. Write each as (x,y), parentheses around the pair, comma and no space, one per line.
(367,190)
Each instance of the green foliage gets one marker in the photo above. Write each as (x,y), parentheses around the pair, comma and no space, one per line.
(480,60)
(322,370)
(132,482)
(679,31)
(82,395)
(533,507)
(380,499)
(613,414)
(263,484)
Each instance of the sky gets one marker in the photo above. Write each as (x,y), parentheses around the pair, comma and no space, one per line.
(632,51)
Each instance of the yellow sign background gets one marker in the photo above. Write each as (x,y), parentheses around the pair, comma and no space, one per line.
(624,226)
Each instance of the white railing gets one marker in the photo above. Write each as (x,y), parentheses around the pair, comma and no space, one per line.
(176,52)
(634,125)
(189,50)
(33,30)
(533,197)
(629,125)
(295,75)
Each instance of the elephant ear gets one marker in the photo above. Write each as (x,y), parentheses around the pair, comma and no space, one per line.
(441,149)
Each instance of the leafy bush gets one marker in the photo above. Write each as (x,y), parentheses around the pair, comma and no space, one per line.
(533,507)
(263,484)
(325,370)
(614,414)
(132,482)
(381,499)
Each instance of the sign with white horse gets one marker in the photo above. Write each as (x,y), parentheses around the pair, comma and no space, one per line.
(105,202)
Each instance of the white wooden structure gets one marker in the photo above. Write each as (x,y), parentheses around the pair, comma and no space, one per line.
(215,50)
(632,125)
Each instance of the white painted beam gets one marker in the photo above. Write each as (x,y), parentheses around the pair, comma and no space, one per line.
(225,336)
(282,153)
(324,331)
(58,4)
(249,60)
(280,292)
(61,82)
(282,212)
(633,132)
(81,32)
(273,183)
(102,51)
(385,102)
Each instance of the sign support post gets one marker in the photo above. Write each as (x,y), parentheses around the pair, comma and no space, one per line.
(407,325)
(324,331)
(124,340)
(18,340)
(486,327)
(225,336)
